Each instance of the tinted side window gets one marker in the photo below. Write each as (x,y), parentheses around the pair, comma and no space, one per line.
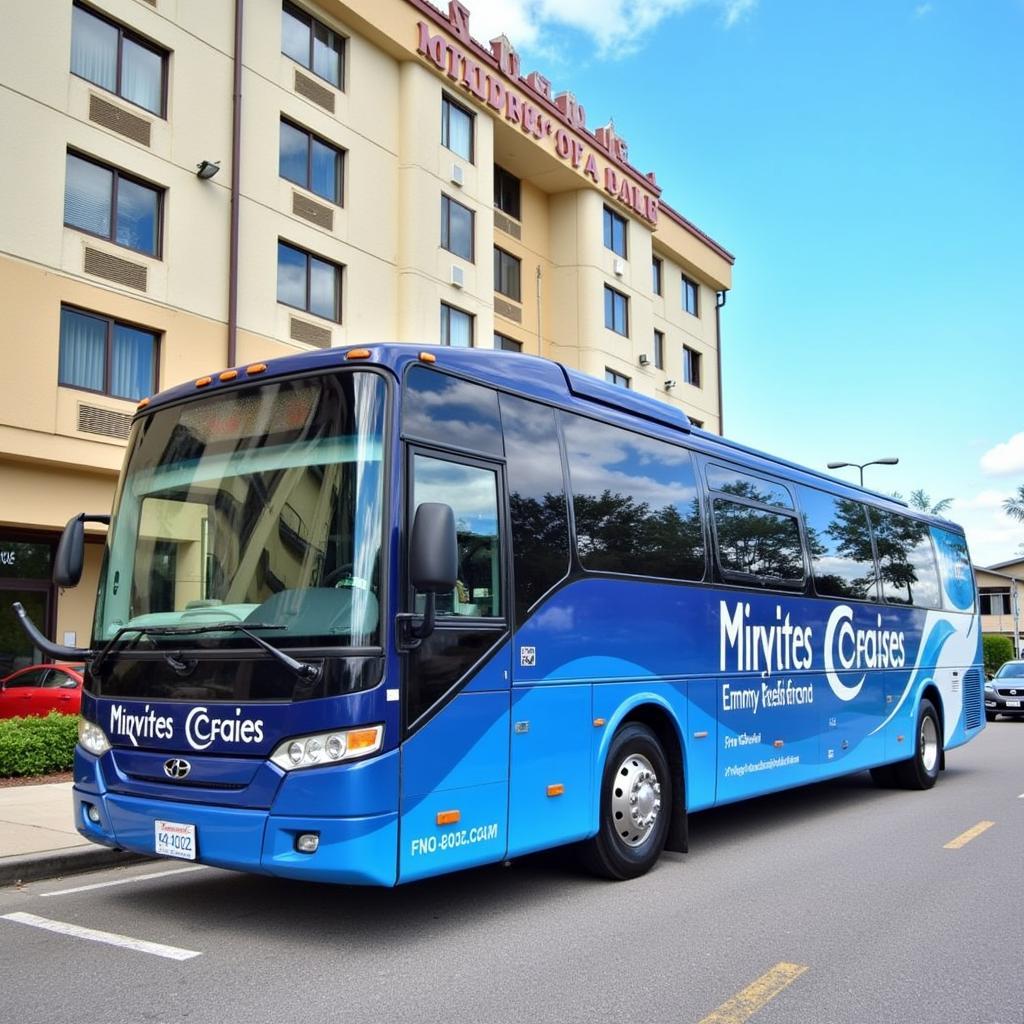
(757,543)
(635,502)
(839,538)
(540,525)
(906,560)
(472,492)
(451,411)
(729,480)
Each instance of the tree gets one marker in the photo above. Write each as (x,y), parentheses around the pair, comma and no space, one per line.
(920,500)
(1014,507)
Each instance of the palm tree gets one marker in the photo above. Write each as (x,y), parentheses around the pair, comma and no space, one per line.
(1014,507)
(920,500)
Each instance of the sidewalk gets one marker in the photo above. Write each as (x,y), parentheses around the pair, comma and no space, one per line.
(38,837)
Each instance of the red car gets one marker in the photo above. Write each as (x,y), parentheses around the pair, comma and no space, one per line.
(40,689)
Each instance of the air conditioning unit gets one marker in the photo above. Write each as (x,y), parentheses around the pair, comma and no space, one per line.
(619,266)
(457,175)
(458,276)
(644,360)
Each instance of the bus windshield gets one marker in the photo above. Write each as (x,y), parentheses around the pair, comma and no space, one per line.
(260,506)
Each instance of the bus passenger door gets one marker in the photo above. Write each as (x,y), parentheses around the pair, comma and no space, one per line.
(455,684)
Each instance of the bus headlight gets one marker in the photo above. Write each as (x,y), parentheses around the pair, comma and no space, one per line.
(92,738)
(327,747)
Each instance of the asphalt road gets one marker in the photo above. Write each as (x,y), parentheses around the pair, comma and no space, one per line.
(834,904)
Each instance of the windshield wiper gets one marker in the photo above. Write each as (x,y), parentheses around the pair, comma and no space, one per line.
(301,668)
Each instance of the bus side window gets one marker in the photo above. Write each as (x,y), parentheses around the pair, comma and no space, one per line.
(540,522)
(635,502)
(472,492)
(839,538)
(906,560)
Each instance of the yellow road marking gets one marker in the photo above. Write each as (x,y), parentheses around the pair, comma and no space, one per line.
(756,995)
(966,837)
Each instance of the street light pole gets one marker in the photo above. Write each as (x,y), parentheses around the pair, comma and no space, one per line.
(861,465)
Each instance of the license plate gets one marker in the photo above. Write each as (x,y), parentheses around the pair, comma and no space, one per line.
(1013,703)
(175,839)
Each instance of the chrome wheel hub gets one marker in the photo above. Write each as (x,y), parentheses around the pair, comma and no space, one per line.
(929,744)
(636,800)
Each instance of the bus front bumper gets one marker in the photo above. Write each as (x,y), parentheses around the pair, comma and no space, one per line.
(358,850)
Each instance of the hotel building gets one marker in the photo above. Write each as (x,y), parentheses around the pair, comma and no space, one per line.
(189,186)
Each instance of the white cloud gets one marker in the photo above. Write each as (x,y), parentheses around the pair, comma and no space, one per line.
(922,9)
(615,26)
(991,534)
(1005,458)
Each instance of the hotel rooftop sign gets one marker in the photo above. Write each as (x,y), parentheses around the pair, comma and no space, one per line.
(557,122)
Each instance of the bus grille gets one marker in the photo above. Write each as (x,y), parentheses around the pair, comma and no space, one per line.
(972,699)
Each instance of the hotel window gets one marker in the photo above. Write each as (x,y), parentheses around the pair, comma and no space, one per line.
(313,45)
(311,162)
(659,350)
(690,293)
(656,269)
(308,282)
(507,344)
(105,202)
(456,129)
(456,228)
(620,380)
(614,232)
(691,366)
(115,59)
(994,601)
(456,327)
(106,356)
(506,274)
(507,192)
(616,311)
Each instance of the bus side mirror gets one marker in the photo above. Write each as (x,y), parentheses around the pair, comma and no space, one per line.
(433,558)
(70,557)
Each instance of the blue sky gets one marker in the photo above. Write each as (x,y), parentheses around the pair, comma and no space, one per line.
(865,163)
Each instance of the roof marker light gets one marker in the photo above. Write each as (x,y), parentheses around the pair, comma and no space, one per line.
(256,368)
(143,404)
(428,357)
(228,375)
(203,381)
(358,353)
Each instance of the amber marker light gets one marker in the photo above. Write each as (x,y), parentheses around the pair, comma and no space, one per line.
(428,357)
(256,368)
(228,375)
(358,353)
(449,817)
(777,744)
(203,381)
(363,739)
(598,722)
(143,404)
(556,790)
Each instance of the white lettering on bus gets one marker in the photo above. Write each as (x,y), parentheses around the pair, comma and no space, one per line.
(201,729)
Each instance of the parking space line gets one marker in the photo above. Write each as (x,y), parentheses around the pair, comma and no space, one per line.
(122,881)
(742,1006)
(965,837)
(110,938)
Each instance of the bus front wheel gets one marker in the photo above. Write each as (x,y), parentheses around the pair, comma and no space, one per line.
(636,806)
(921,771)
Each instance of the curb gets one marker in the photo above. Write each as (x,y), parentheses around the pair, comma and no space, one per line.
(34,867)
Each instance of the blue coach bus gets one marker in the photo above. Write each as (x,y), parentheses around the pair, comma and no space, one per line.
(371,615)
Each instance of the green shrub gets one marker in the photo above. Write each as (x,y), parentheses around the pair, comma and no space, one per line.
(37,746)
(997,650)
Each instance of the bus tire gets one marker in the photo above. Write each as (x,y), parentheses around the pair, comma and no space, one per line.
(922,770)
(636,806)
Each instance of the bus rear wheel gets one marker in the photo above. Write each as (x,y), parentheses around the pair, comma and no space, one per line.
(636,806)
(922,770)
